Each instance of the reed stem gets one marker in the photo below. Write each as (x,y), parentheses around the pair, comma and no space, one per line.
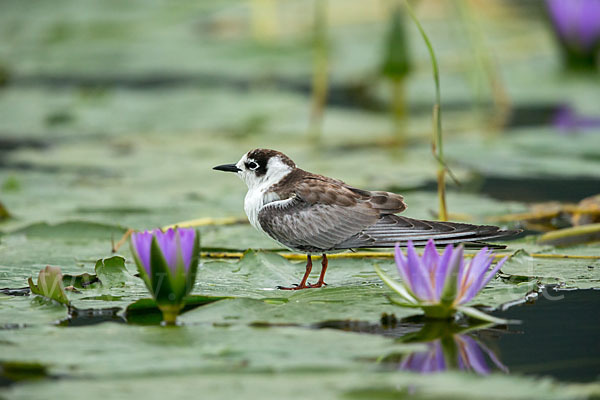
(438,143)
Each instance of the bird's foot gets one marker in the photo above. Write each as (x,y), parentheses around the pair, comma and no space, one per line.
(294,287)
(305,286)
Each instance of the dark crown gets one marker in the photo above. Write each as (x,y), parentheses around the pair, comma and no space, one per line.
(262,157)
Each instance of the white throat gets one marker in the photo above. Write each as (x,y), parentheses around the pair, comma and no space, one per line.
(258,187)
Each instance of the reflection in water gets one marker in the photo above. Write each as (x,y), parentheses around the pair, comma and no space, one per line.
(455,352)
(449,347)
(555,338)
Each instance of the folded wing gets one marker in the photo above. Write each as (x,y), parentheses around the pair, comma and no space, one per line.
(321,214)
(392,229)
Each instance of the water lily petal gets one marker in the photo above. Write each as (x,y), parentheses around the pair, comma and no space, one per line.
(141,242)
(461,271)
(187,239)
(168,246)
(474,275)
(493,272)
(431,260)
(430,256)
(402,265)
(441,274)
(455,265)
(481,262)
(420,283)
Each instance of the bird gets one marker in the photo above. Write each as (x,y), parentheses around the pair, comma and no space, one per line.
(315,214)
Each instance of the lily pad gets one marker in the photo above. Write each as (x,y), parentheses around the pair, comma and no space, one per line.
(112,272)
(145,311)
(111,134)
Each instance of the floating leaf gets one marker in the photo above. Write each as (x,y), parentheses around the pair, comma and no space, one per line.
(146,311)
(74,230)
(83,281)
(112,272)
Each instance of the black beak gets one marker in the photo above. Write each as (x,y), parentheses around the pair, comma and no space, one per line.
(227,168)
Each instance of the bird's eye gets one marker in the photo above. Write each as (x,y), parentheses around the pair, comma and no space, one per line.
(251,165)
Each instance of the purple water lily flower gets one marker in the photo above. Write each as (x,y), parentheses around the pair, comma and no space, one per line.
(167,262)
(173,243)
(577,26)
(441,284)
(469,355)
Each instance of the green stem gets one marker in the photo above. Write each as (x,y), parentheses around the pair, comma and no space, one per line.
(170,313)
(437,120)
(398,108)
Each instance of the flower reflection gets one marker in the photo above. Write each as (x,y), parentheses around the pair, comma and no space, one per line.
(450,350)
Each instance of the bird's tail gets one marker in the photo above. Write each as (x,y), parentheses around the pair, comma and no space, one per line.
(392,229)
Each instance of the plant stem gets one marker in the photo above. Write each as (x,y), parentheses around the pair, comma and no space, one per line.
(438,148)
(398,109)
(170,313)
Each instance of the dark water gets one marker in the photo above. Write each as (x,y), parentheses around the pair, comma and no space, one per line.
(559,336)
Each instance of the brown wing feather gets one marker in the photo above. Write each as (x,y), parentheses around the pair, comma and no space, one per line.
(323,214)
(322,189)
(314,227)
(319,213)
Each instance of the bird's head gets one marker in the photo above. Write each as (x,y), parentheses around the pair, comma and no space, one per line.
(260,168)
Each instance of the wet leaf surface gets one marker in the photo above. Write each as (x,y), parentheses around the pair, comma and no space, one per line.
(100,131)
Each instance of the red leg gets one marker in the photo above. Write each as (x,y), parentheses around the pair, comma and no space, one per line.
(321,280)
(302,284)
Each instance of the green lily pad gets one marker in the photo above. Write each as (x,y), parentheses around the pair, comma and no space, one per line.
(145,311)
(103,142)
(112,272)
(83,281)
(73,230)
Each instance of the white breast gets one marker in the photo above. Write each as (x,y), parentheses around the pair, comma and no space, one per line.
(254,201)
(258,187)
